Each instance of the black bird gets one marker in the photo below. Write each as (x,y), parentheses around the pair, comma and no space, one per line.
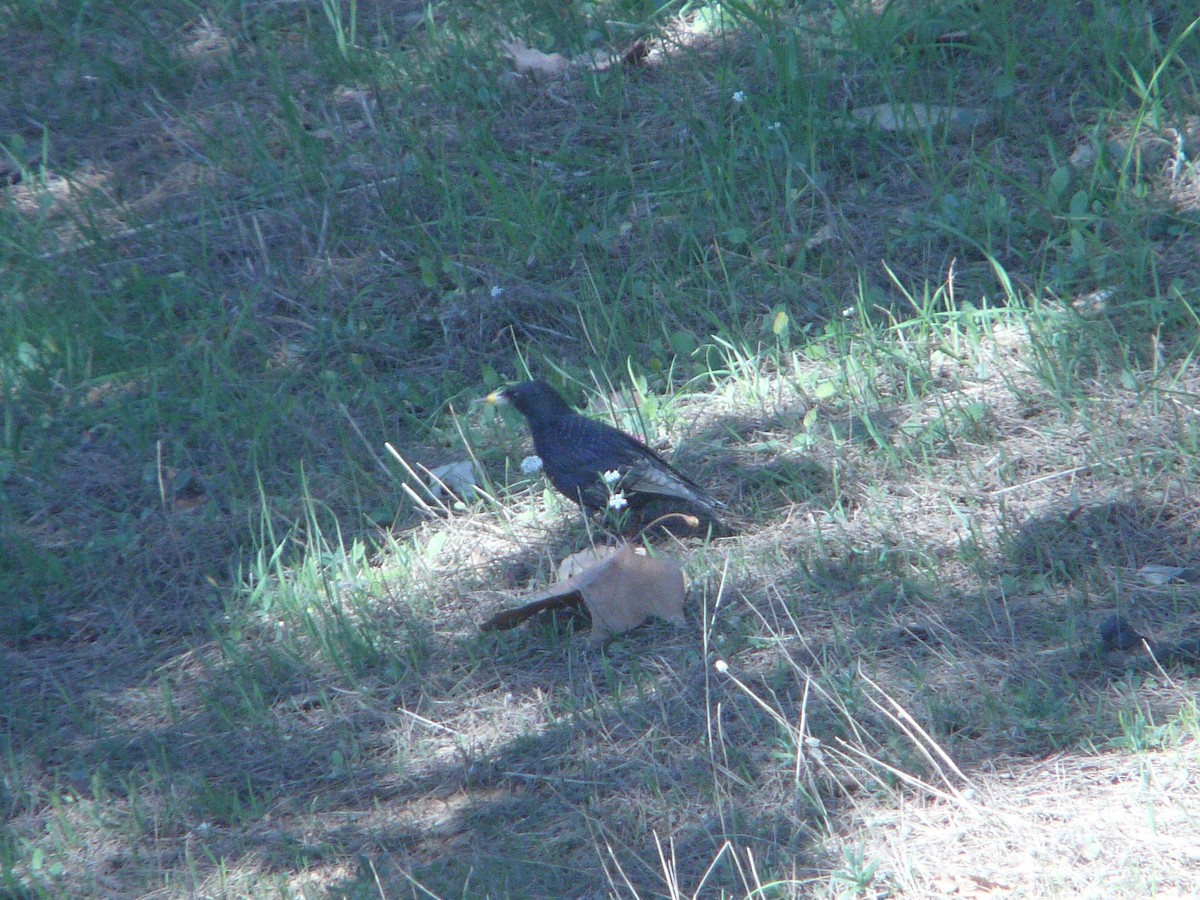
(577,453)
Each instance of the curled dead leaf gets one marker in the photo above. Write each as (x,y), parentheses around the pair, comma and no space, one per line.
(628,588)
(578,563)
(620,586)
(528,61)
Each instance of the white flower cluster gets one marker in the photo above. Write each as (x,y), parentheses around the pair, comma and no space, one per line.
(617,499)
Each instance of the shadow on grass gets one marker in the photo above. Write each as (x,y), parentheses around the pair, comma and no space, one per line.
(264,762)
(523,764)
(1114,535)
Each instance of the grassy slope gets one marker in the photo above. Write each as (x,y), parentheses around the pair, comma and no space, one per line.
(943,377)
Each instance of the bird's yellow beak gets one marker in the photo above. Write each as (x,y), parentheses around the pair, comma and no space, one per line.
(496,397)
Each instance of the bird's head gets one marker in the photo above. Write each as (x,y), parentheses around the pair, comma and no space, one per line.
(533,399)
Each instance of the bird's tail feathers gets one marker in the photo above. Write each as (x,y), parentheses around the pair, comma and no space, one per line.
(651,480)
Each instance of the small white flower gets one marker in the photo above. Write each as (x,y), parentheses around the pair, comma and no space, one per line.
(775,126)
(612,476)
(618,501)
(531,464)
(739,96)
(496,291)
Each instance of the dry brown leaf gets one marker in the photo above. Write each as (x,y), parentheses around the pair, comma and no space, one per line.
(529,61)
(578,563)
(557,597)
(620,587)
(627,588)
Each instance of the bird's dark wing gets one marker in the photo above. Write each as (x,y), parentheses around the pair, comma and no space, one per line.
(649,473)
(577,455)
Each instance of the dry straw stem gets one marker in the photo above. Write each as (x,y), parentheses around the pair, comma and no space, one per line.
(1073,825)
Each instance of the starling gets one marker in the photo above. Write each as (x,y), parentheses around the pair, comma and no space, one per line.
(581,455)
